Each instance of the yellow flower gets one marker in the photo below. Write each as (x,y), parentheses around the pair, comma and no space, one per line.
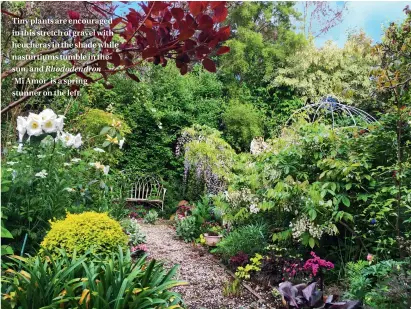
(113,140)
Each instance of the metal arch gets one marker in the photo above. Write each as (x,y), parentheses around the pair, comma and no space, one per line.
(330,105)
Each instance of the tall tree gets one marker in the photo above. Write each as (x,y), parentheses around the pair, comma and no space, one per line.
(263,37)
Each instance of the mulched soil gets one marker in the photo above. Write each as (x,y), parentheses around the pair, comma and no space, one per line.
(198,267)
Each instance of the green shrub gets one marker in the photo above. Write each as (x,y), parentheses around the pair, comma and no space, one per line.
(80,283)
(93,120)
(151,217)
(242,123)
(186,228)
(382,285)
(81,232)
(249,239)
(91,124)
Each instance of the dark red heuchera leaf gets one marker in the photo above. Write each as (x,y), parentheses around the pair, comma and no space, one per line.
(209,65)
(73,15)
(223,50)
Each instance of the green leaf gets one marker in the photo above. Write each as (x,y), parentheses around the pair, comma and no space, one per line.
(345,200)
(313,214)
(105,130)
(5,233)
(348,186)
(311,242)
(6,250)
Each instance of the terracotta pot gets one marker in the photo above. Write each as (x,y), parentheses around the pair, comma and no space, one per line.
(212,240)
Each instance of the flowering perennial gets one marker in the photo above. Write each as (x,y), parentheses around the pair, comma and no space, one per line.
(316,263)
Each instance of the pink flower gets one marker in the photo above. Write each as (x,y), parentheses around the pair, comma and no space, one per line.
(316,263)
(370,257)
(140,247)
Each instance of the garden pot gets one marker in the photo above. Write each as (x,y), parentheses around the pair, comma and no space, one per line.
(212,241)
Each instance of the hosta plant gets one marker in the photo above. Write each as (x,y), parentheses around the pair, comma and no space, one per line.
(90,282)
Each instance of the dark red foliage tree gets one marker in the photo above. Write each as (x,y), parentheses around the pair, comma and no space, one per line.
(158,31)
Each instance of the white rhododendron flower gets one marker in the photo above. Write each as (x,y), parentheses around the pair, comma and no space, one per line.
(77,141)
(34,126)
(21,127)
(48,114)
(49,126)
(98,149)
(59,123)
(67,139)
(121,143)
(106,169)
(42,174)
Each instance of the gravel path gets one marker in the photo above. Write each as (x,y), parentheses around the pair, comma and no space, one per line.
(198,267)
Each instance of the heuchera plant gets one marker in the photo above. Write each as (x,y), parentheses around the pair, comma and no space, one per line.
(240,259)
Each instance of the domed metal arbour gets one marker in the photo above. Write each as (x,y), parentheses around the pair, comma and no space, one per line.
(341,115)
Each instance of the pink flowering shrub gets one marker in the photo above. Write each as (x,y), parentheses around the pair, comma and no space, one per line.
(316,263)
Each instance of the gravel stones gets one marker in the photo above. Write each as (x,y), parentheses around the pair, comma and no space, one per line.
(196,266)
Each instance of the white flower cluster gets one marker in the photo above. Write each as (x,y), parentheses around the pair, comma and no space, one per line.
(241,198)
(304,224)
(46,122)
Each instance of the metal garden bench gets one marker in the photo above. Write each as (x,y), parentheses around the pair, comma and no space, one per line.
(147,190)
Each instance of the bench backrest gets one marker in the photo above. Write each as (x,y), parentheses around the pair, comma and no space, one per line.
(147,188)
